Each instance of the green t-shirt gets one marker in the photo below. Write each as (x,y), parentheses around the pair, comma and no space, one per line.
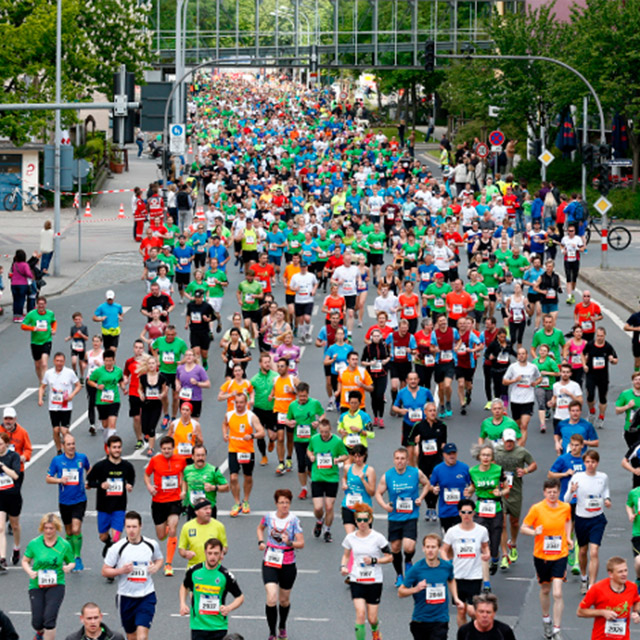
(196,478)
(325,468)
(411,251)
(511,461)
(294,243)
(361,247)
(491,275)
(549,364)
(332,233)
(48,559)
(625,398)
(633,501)
(42,323)
(494,431)
(213,280)
(366,229)
(503,256)
(209,588)
(304,415)
(248,292)
(376,242)
(438,304)
(518,265)
(323,249)
(476,290)
(169,353)
(555,341)
(172,233)
(262,385)
(110,379)
(194,286)
(170,261)
(485,482)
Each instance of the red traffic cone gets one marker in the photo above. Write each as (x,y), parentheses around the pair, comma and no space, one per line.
(87,211)
(190,150)
(121,211)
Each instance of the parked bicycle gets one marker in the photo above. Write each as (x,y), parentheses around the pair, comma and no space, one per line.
(28,197)
(618,236)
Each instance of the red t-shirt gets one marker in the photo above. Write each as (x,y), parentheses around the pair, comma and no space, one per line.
(384,330)
(131,370)
(264,275)
(602,596)
(584,316)
(335,303)
(408,303)
(147,243)
(167,475)
(334,262)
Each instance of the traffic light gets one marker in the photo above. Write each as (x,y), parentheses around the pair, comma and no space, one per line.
(604,183)
(588,155)
(128,90)
(534,148)
(429,56)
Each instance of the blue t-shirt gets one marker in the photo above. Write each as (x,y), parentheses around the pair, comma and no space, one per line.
(355,489)
(405,400)
(452,480)
(111,311)
(563,463)
(432,604)
(403,489)
(183,254)
(276,237)
(426,273)
(341,352)
(74,468)
(221,254)
(565,430)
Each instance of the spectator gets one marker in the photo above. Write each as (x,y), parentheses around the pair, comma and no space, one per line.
(20,276)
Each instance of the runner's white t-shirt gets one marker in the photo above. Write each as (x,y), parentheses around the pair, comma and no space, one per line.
(348,277)
(523,391)
(59,384)
(304,284)
(562,399)
(138,583)
(467,548)
(370,546)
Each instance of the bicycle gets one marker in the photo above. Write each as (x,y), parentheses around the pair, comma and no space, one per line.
(618,236)
(30,199)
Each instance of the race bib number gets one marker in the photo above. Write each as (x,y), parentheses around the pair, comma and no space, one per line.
(282,418)
(429,447)
(274,557)
(352,499)
(409,312)
(139,573)
(594,504)
(446,356)
(77,345)
(303,431)
(41,325)
(72,476)
(576,359)
(196,317)
(168,357)
(466,549)
(5,482)
(571,254)
(376,366)
(415,415)
(438,302)
(518,315)
(462,349)
(451,496)
(212,282)
(503,358)
(107,395)
(551,294)
(324,461)
(563,401)
(487,508)
(491,290)
(294,244)
(244,457)
(47,578)
(598,363)
(185,448)
(196,496)
(404,505)
(509,476)
(348,287)
(425,277)
(400,352)
(340,367)
(544,382)
(352,440)
(115,486)
(57,397)
(153,393)
(248,298)
(151,275)
(457,308)
(365,573)
(209,605)
(552,544)
(169,483)
(587,325)
(184,261)
(436,594)
(616,627)
(429,360)
(186,393)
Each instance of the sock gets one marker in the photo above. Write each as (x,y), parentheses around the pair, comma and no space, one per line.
(394,394)
(78,545)
(284,614)
(592,410)
(546,619)
(116,535)
(262,447)
(361,632)
(172,543)
(326,529)
(374,626)
(556,629)
(397,562)
(408,557)
(205,362)
(72,543)
(272,618)
(583,578)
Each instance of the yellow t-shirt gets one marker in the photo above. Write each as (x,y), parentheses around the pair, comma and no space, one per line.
(194,535)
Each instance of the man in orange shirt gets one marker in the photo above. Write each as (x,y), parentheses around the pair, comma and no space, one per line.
(239,429)
(410,306)
(166,468)
(459,303)
(290,296)
(586,314)
(353,378)
(265,273)
(282,395)
(549,521)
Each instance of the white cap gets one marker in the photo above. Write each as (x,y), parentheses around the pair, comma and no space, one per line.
(110,295)
(9,412)
(509,434)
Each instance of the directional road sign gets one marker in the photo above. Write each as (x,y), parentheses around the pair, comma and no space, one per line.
(177,139)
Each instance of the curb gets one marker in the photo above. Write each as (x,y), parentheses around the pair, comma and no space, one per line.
(603,292)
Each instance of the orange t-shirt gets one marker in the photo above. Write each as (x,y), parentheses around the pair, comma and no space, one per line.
(231,386)
(183,436)
(584,316)
(167,475)
(264,275)
(458,304)
(284,393)
(408,304)
(552,543)
(240,426)
(289,271)
(349,380)
(335,303)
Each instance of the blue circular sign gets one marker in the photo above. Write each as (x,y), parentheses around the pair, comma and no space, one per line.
(177,130)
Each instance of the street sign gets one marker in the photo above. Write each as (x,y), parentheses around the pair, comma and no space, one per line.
(177,139)
(80,168)
(496,138)
(496,148)
(494,112)
(602,205)
(620,162)
(546,157)
(482,150)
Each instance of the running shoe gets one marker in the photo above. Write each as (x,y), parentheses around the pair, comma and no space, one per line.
(328,537)
(442,412)
(264,462)
(381,423)
(280,470)
(168,570)
(376,635)
(288,465)
(282,634)
(245,507)
(38,635)
(591,417)
(219,328)
(139,445)
(504,563)
(271,446)
(3,564)
(434,515)
(513,552)
(235,510)
(543,428)
(584,587)
(599,423)
(493,566)
(15,557)
(79,566)
(331,405)
(547,629)
(575,570)
(92,430)
(399,581)
(303,494)
(487,407)
(557,635)
(165,421)
(317,530)
(463,411)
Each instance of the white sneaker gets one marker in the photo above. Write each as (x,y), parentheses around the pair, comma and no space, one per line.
(331,405)
(598,423)
(592,418)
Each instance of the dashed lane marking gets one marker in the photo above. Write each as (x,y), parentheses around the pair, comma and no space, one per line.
(23,396)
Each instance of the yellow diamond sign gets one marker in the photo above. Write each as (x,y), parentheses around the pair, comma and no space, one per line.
(546,157)
(602,205)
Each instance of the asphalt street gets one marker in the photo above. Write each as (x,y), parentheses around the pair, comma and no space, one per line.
(321,602)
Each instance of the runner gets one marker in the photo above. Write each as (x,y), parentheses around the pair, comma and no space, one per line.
(565,391)
(544,392)
(63,387)
(42,324)
(262,383)
(95,359)
(202,480)
(628,402)
(283,537)
(157,300)
(305,285)
(574,424)
(485,626)
(109,314)
(587,313)
(359,486)
(346,277)
(549,335)
(283,393)
(210,583)
(493,428)
(196,531)
(134,560)
(364,550)
(240,428)
(93,626)
(152,388)
(217,282)
(68,470)
(200,315)
(326,451)
(598,355)
(449,480)
(353,378)
(130,373)
(166,468)
(113,478)
(549,521)
(78,335)
(109,381)
(445,343)
(10,498)
(572,247)
(407,487)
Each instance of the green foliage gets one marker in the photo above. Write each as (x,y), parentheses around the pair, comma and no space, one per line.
(92,150)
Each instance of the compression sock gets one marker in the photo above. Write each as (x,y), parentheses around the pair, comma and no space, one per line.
(284,614)
(408,557)
(78,545)
(272,618)
(72,543)
(205,363)
(394,394)
(361,632)
(116,535)
(397,562)
(374,626)
(172,543)
(262,447)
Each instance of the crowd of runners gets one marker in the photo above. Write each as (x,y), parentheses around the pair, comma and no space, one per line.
(319,212)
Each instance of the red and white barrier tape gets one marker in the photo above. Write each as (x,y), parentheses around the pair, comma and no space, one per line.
(89,193)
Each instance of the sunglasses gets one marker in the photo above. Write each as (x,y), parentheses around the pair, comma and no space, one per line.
(466,513)
(362,519)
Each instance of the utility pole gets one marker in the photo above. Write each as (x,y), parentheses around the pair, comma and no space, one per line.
(56,145)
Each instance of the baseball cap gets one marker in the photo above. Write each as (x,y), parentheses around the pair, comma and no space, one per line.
(492,256)
(509,434)
(198,293)
(110,295)
(9,412)
(439,276)
(450,447)
(201,504)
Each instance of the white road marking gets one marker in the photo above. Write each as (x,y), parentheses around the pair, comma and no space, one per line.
(50,445)
(23,396)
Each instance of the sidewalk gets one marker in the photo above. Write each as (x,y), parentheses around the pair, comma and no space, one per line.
(102,234)
(622,285)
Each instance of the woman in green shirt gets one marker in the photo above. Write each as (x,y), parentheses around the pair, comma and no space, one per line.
(47,559)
